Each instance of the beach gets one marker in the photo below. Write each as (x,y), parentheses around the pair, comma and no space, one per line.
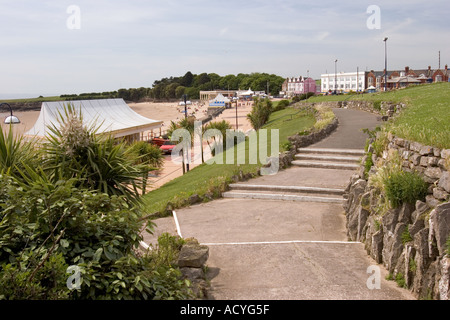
(162,111)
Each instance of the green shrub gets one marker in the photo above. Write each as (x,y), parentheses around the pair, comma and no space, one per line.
(448,245)
(406,236)
(368,165)
(404,187)
(260,113)
(400,279)
(377,105)
(282,104)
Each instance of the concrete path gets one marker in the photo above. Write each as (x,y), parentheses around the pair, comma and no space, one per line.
(287,250)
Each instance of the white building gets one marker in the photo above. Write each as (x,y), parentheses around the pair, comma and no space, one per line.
(343,82)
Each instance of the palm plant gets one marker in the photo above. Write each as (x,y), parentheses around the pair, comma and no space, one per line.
(148,157)
(260,113)
(97,161)
(14,152)
(222,126)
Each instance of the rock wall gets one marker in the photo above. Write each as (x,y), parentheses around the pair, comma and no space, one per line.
(192,263)
(411,240)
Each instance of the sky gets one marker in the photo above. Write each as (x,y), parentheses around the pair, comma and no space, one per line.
(77,46)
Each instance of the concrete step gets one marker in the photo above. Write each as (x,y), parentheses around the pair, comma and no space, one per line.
(331,151)
(332,158)
(286,189)
(325,165)
(281,196)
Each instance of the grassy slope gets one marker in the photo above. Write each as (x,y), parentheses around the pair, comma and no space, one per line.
(44,99)
(210,178)
(427,118)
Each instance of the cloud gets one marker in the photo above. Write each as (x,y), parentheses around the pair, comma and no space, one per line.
(132,43)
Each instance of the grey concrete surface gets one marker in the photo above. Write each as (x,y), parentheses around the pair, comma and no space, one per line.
(285,250)
(349,135)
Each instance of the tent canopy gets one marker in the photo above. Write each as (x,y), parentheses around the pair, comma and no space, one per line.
(220,100)
(108,115)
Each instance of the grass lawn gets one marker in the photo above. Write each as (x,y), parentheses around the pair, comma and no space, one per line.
(425,120)
(212,178)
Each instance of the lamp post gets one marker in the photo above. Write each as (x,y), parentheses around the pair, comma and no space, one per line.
(10,119)
(185,116)
(335,76)
(385,63)
(237,100)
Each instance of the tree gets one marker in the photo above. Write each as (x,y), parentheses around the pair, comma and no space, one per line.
(187,79)
(261,111)
(179,91)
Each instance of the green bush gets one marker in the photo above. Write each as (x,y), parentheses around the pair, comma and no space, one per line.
(368,165)
(282,104)
(404,187)
(260,113)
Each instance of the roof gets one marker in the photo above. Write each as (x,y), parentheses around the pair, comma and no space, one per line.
(108,115)
(406,79)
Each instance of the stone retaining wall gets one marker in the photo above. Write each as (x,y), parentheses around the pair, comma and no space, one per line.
(410,241)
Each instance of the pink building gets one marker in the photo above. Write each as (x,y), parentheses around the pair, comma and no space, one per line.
(297,86)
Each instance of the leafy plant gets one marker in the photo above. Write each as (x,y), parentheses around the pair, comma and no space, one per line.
(404,187)
(400,280)
(14,151)
(406,236)
(448,245)
(147,157)
(368,164)
(96,161)
(260,113)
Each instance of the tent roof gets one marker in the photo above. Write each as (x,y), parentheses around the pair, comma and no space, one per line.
(109,115)
(220,98)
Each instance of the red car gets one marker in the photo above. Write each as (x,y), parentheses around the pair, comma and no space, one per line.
(167,146)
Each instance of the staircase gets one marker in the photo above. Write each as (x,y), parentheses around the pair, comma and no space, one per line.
(341,159)
(344,159)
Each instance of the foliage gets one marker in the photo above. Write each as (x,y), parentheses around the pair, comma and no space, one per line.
(404,187)
(448,245)
(222,126)
(147,157)
(47,227)
(14,151)
(261,110)
(96,161)
(400,280)
(368,165)
(280,105)
(406,236)
(324,117)
(68,207)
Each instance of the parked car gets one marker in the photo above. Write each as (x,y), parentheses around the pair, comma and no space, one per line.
(158,141)
(167,146)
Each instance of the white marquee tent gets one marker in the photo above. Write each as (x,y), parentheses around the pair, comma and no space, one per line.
(219,101)
(108,115)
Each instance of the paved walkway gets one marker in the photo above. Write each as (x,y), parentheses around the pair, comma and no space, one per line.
(286,250)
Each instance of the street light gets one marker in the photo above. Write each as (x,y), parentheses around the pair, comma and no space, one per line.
(385,63)
(185,116)
(10,119)
(335,76)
